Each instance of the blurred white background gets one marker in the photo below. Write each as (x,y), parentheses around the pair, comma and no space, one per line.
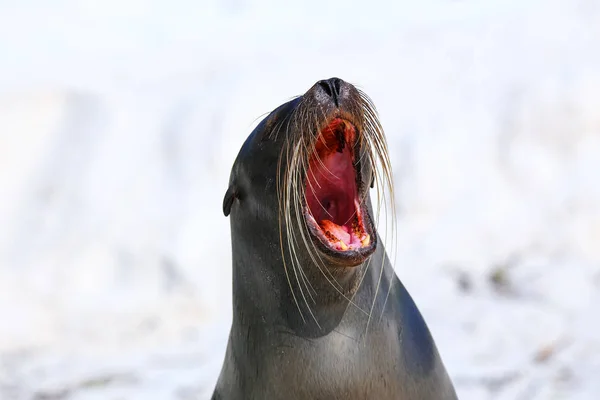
(119,123)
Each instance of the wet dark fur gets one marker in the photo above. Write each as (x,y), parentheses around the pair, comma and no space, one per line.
(304,325)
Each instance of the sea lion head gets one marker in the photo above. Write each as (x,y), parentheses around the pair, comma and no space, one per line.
(301,179)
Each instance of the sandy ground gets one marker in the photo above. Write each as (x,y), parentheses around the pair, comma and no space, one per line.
(119,122)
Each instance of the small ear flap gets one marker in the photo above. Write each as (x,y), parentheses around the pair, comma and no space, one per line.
(230,196)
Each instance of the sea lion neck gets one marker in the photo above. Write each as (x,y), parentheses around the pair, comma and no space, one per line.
(267,297)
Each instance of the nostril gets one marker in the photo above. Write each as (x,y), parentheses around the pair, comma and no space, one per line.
(336,86)
(332,88)
(326,87)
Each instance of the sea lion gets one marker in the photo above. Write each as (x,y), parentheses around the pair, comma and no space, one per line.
(318,311)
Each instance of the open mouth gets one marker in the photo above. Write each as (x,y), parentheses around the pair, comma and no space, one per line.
(335,213)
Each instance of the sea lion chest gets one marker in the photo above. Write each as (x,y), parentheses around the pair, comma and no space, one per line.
(336,366)
(391,362)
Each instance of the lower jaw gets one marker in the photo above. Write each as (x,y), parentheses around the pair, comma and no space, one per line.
(348,258)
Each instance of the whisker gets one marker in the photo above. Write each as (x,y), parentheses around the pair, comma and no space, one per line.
(296,179)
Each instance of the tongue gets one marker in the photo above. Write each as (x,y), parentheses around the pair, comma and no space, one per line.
(340,232)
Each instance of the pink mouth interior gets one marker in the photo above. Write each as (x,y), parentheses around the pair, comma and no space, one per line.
(331,191)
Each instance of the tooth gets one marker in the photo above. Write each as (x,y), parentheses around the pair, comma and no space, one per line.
(366,240)
(343,245)
(356,227)
(331,236)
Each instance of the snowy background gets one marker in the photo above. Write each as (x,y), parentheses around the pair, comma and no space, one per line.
(120,120)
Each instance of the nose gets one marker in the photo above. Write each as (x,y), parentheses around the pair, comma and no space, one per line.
(333,88)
